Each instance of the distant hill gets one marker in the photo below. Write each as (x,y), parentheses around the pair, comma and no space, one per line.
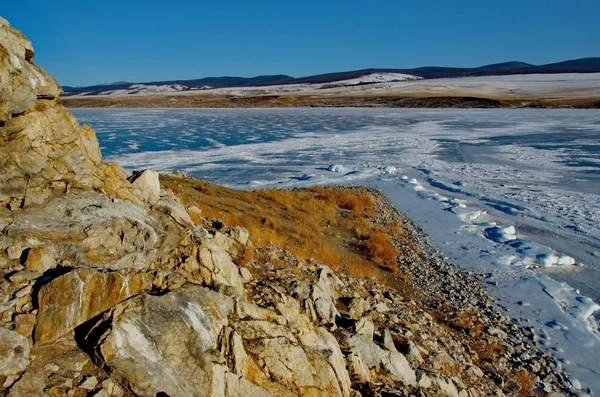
(583,65)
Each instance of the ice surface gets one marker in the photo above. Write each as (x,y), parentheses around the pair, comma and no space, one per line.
(510,194)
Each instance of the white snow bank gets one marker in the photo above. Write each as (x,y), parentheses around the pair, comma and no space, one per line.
(337,168)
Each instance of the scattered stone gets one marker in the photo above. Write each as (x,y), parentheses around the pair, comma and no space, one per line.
(39,260)
(14,252)
(24,324)
(365,326)
(14,352)
(358,307)
(23,276)
(246,275)
(239,234)
(195,213)
(89,383)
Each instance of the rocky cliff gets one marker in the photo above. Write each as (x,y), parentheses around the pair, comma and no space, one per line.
(113,285)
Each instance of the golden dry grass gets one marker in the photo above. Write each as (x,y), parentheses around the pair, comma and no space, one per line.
(333,226)
(526,380)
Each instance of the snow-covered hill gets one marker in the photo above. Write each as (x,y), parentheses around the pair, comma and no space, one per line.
(374,78)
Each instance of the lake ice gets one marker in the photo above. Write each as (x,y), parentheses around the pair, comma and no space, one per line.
(512,194)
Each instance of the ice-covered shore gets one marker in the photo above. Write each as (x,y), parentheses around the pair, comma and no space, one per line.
(501,192)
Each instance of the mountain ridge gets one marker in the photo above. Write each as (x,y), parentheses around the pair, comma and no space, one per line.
(581,65)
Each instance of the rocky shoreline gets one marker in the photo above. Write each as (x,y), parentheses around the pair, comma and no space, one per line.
(117,284)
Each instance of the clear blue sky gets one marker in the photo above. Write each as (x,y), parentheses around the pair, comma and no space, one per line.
(86,42)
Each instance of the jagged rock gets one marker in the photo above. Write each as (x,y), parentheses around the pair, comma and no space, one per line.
(358,307)
(381,308)
(97,231)
(388,341)
(447,387)
(42,147)
(14,252)
(195,213)
(358,369)
(24,324)
(23,277)
(423,380)
(365,326)
(164,343)
(21,82)
(147,186)
(172,207)
(73,298)
(371,355)
(246,275)
(14,352)
(89,383)
(239,234)
(323,294)
(39,260)
(411,351)
(217,269)
(399,368)
(31,384)
(365,348)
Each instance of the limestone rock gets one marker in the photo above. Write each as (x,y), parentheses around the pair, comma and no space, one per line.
(358,307)
(365,326)
(31,384)
(324,292)
(447,387)
(173,208)
(73,298)
(14,252)
(146,185)
(42,147)
(89,383)
(365,348)
(195,213)
(14,352)
(163,343)
(97,231)
(21,82)
(388,341)
(399,368)
(39,260)
(239,234)
(24,324)
(217,269)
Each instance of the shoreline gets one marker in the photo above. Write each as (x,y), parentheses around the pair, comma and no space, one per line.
(450,292)
(197,101)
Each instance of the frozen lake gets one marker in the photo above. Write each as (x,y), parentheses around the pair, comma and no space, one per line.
(512,194)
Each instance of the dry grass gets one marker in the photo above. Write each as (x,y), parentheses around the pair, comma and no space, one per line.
(381,249)
(487,350)
(526,380)
(332,225)
(468,320)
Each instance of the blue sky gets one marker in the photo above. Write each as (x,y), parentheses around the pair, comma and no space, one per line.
(86,42)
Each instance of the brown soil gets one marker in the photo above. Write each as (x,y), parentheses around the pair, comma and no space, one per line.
(202,100)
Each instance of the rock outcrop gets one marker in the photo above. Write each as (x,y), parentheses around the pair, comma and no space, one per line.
(111,286)
(42,147)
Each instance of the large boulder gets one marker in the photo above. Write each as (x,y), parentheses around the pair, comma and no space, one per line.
(73,298)
(93,230)
(165,343)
